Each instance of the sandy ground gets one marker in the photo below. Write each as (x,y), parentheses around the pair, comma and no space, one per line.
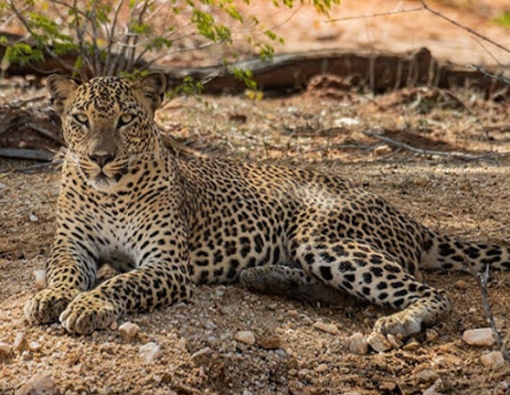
(198,351)
(464,195)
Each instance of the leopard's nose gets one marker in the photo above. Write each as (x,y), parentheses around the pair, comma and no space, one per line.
(101,159)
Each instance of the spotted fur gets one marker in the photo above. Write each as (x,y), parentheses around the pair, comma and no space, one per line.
(167,222)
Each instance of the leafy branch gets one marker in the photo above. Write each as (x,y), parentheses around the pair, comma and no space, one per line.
(129,36)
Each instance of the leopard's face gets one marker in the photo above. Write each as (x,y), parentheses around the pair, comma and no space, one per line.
(108,124)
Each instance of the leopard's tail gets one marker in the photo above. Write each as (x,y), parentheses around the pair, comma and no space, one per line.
(443,252)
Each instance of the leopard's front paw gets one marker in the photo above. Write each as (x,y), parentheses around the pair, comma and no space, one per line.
(88,312)
(399,324)
(45,306)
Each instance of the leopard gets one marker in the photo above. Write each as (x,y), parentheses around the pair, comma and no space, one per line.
(168,222)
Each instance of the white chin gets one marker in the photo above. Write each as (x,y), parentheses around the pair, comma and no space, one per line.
(102,184)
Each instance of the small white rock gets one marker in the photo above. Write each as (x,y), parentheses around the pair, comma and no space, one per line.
(332,329)
(150,352)
(33,218)
(182,344)
(40,278)
(357,344)
(20,342)
(433,389)
(479,337)
(378,342)
(246,337)
(40,384)
(34,346)
(128,330)
(493,359)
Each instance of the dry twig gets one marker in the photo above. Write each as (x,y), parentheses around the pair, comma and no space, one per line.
(481,279)
(420,151)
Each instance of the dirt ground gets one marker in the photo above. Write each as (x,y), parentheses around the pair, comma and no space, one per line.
(199,355)
(445,165)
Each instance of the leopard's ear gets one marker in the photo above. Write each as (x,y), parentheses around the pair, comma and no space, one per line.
(153,88)
(60,88)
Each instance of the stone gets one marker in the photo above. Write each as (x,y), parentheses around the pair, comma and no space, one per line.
(20,342)
(321,368)
(5,349)
(378,342)
(433,390)
(493,359)
(332,329)
(150,352)
(431,335)
(128,330)
(479,337)
(411,344)
(269,342)
(40,384)
(427,376)
(246,337)
(40,278)
(357,344)
(395,342)
(182,344)
(461,284)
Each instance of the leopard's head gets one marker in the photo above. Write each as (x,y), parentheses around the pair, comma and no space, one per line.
(108,123)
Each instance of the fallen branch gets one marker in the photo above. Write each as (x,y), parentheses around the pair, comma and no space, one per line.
(30,154)
(419,151)
(481,279)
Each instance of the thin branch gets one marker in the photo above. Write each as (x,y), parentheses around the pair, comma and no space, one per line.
(499,78)
(481,279)
(352,18)
(457,155)
(110,33)
(468,29)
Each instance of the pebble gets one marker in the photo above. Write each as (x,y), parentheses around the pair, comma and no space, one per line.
(5,349)
(357,344)
(378,342)
(246,337)
(411,344)
(479,337)
(128,330)
(433,389)
(332,329)
(493,359)
(150,352)
(33,218)
(431,335)
(269,342)
(427,376)
(202,351)
(40,278)
(20,343)
(182,344)
(395,342)
(461,284)
(34,346)
(321,368)
(40,384)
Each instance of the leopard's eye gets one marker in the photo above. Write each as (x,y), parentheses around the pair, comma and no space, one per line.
(125,119)
(81,118)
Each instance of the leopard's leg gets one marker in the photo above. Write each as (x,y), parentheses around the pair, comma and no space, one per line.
(363,271)
(155,284)
(69,271)
(290,282)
